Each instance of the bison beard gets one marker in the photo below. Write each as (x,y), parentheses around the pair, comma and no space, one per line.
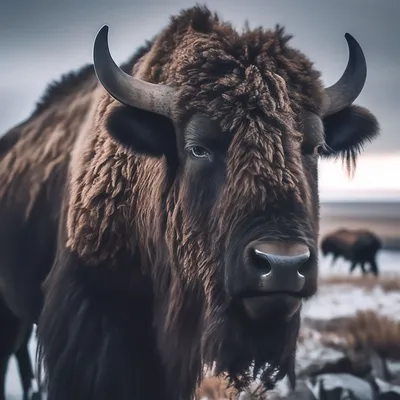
(237,343)
(193,331)
(197,324)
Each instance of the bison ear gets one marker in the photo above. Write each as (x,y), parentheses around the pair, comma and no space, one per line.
(347,131)
(142,131)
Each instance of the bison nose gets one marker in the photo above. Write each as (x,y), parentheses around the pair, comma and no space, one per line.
(277,266)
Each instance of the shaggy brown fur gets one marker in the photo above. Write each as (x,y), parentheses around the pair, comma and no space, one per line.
(253,83)
(146,245)
(249,70)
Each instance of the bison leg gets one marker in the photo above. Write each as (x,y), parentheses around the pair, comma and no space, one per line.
(96,341)
(24,364)
(374,267)
(364,271)
(9,327)
(3,371)
(353,266)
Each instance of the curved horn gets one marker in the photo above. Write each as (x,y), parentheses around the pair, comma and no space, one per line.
(126,89)
(349,86)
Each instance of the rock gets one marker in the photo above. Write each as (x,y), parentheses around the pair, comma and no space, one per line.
(394,368)
(343,365)
(387,391)
(379,367)
(312,355)
(358,363)
(302,392)
(340,387)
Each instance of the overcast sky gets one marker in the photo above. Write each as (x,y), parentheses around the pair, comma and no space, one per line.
(40,40)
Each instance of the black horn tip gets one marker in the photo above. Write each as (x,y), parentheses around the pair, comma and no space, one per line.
(351,41)
(359,58)
(101,51)
(351,83)
(354,45)
(101,36)
(103,30)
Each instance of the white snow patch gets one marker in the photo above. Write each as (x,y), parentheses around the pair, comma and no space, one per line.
(388,263)
(311,348)
(344,300)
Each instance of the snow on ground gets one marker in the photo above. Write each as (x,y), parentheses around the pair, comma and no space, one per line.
(388,263)
(345,300)
(342,300)
(311,349)
(331,301)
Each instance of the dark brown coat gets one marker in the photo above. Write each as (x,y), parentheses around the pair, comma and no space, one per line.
(144,244)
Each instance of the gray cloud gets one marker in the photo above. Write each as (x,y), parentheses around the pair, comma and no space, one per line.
(41,42)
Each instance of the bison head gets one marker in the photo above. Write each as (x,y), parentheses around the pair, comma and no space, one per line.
(239,123)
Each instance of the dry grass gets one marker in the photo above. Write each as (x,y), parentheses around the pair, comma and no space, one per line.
(388,283)
(367,330)
(216,388)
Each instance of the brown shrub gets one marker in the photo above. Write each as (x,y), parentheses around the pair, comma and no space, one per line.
(367,330)
(388,283)
(216,388)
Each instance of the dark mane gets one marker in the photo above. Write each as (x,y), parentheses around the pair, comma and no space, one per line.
(63,87)
(140,52)
(72,80)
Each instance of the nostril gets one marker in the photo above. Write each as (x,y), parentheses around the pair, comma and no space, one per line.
(258,261)
(303,265)
(267,262)
(276,266)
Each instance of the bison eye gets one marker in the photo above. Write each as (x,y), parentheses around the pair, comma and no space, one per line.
(199,152)
(319,150)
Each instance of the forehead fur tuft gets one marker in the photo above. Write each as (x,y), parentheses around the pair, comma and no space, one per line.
(207,58)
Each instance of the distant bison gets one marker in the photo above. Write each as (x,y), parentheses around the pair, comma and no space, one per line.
(357,246)
(168,209)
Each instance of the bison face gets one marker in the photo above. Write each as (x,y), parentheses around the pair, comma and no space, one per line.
(239,204)
(251,219)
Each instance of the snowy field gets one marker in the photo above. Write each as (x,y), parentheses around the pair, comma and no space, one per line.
(331,301)
(342,300)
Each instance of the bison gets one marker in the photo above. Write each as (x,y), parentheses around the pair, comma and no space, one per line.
(359,246)
(14,340)
(163,215)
